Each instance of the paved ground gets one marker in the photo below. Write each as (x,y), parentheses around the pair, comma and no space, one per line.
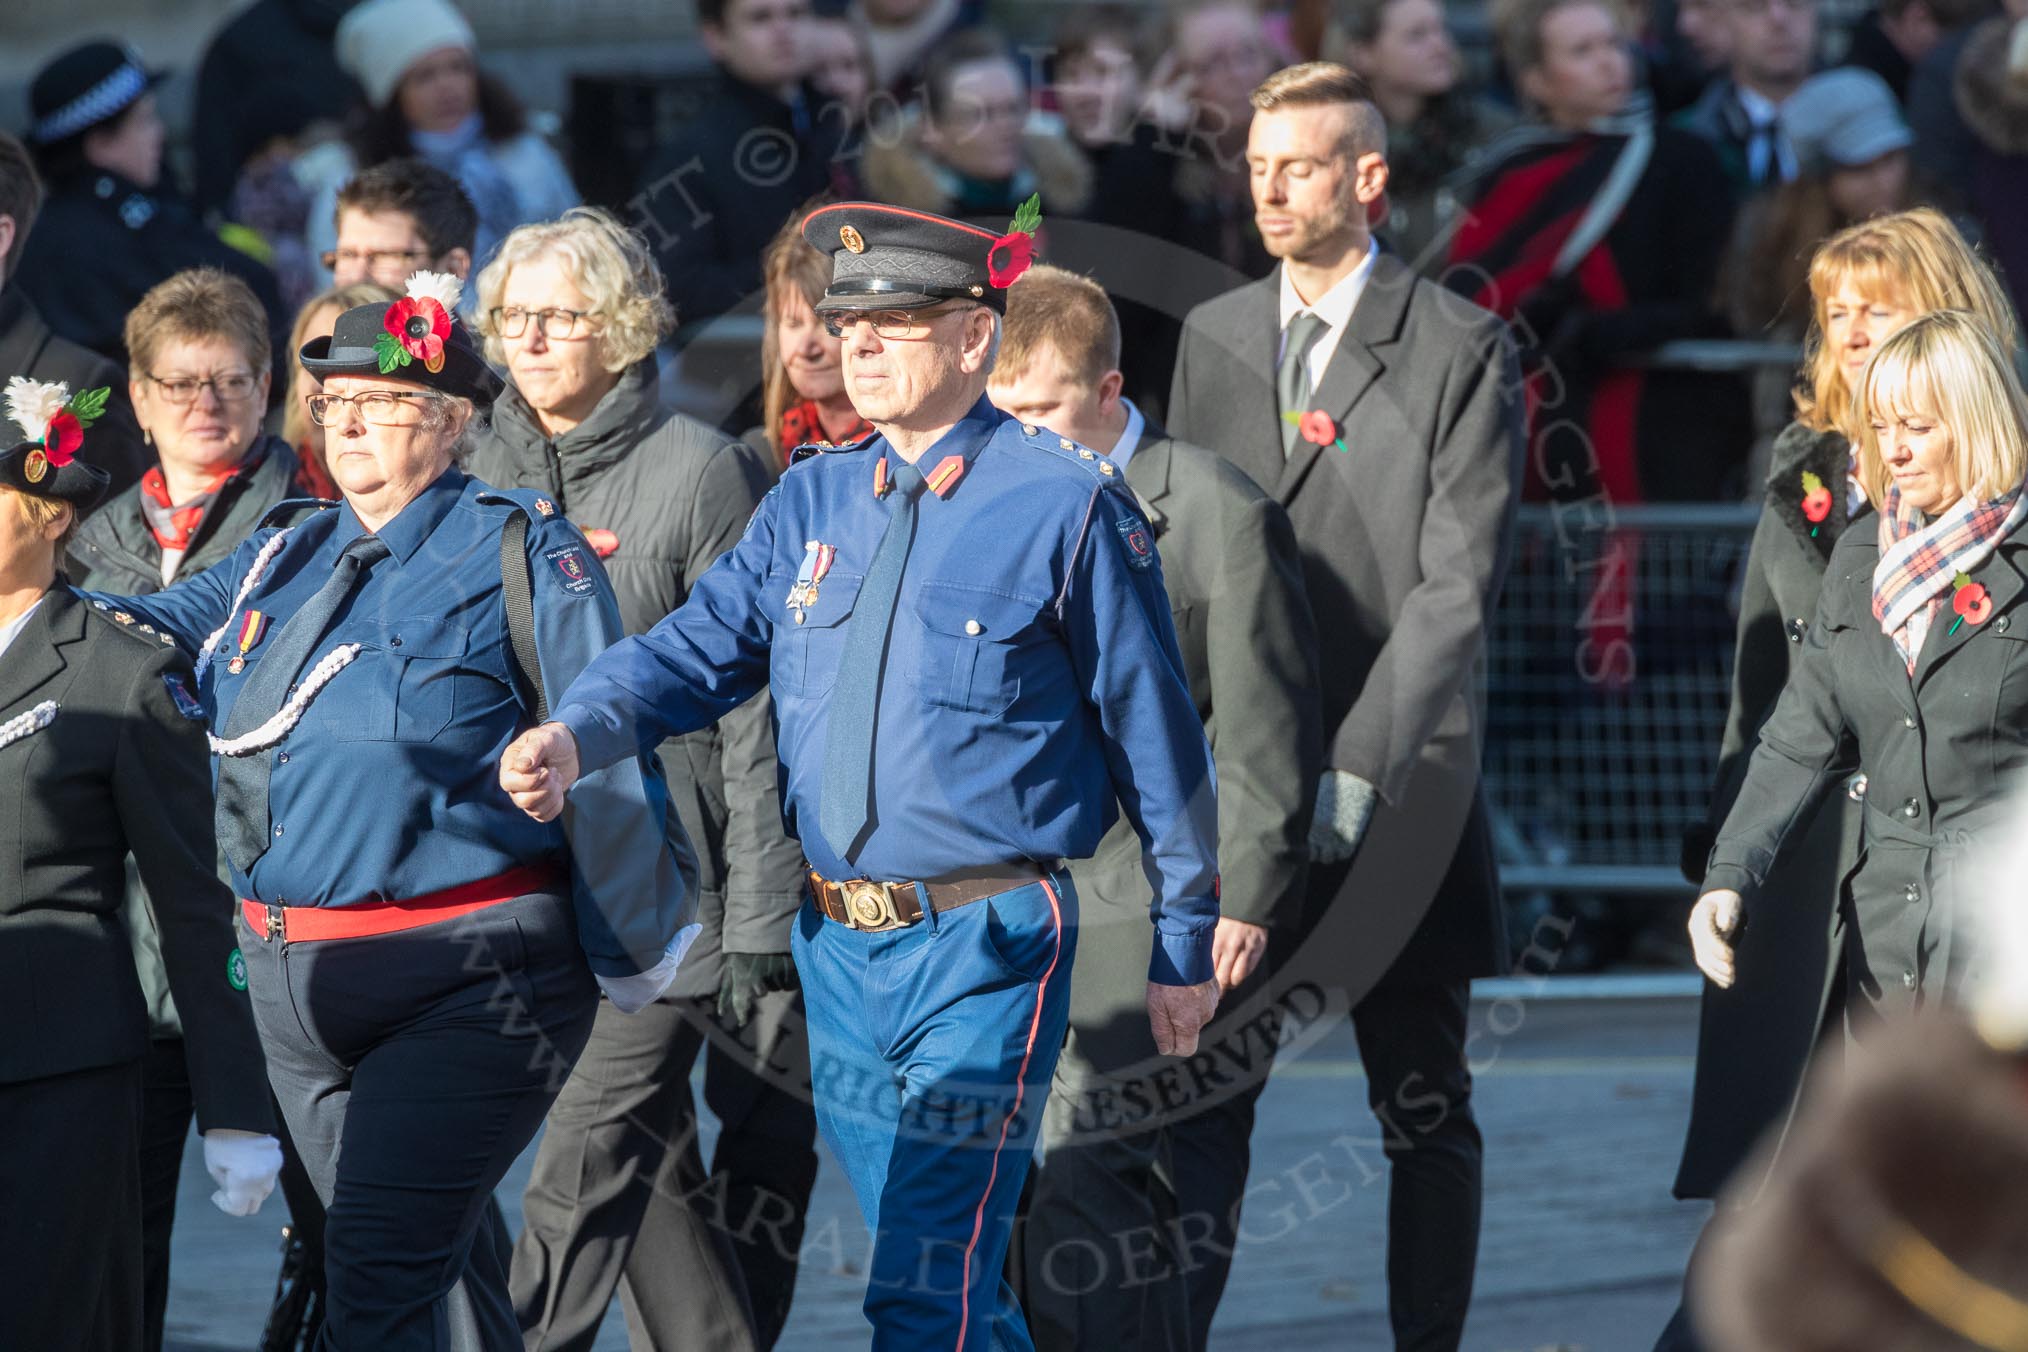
(1582,1108)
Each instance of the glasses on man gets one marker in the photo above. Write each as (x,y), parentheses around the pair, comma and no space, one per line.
(233,387)
(893,325)
(375,262)
(382,408)
(511,321)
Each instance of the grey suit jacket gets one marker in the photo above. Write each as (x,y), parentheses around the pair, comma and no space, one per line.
(1235,584)
(1405,535)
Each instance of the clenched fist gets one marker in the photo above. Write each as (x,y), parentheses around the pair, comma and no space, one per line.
(538,768)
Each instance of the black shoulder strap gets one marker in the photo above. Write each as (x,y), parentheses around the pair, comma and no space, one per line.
(519,591)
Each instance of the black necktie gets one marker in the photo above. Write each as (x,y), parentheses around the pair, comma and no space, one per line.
(243,780)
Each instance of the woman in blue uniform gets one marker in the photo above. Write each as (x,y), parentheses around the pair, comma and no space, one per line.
(421,956)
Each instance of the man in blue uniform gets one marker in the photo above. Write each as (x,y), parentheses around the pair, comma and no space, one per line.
(964,627)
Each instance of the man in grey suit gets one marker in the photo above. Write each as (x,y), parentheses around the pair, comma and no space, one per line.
(1235,586)
(1385,416)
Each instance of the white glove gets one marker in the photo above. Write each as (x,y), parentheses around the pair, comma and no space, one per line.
(244,1165)
(632,994)
(1344,807)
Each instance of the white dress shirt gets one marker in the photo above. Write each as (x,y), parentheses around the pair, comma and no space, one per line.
(12,629)
(1334,307)
(1130,437)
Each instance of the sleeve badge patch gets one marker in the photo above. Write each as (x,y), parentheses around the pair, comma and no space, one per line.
(180,694)
(573,571)
(1137,540)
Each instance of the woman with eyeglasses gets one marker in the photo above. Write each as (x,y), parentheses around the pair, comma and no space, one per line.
(424,960)
(573,309)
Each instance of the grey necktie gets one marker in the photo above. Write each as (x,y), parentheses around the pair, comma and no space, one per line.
(1292,378)
(855,703)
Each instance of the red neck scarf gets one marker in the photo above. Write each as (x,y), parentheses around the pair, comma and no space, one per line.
(174,523)
(802,427)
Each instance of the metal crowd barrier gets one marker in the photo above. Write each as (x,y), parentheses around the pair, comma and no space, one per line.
(1608,672)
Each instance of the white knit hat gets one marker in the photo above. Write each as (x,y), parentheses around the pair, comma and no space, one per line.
(379,40)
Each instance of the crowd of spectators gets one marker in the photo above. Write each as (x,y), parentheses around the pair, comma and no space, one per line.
(1611,178)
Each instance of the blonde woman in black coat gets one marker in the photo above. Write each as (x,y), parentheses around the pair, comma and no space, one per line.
(1755,1037)
(1913,671)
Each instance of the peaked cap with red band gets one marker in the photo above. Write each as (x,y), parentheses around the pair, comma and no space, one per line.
(891,258)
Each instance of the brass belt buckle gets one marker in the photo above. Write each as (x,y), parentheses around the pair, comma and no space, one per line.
(274,921)
(870,906)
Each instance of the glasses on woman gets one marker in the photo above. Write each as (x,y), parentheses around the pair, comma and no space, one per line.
(234,387)
(382,408)
(893,325)
(511,321)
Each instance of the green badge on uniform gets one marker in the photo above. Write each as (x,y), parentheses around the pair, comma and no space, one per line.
(235,970)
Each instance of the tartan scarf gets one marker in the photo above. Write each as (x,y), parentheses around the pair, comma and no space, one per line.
(1918,563)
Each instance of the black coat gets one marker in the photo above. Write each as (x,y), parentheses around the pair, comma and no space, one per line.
(1940,750)
(101,242)
(713,200)
(29,348)
(1235,583)
(1405,536)
(1754,1039)
(121,768)
(661,496)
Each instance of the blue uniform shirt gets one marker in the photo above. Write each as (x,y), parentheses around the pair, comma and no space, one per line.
(1032,675)
(388,788)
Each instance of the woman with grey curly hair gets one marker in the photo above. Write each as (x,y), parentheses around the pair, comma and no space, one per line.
(573,308)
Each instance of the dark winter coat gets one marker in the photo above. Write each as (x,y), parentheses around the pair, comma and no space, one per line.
(660,496)
(1755,1038)
(1939,748)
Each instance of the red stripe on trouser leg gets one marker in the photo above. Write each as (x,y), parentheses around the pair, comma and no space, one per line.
(1020,1088)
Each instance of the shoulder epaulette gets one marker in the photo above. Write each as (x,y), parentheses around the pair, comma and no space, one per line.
(138,630)
(521,499)
(813,448)
(1069,452)
(290,510)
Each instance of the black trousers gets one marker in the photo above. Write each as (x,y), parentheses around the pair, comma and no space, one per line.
(620,1197)
(70,1196)
(1098,1258)
(1411,1035)
(412,1069)
(165,1128)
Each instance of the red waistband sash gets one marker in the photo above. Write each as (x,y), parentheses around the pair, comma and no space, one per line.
(303,924)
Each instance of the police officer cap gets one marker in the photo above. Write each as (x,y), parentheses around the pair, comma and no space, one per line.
(91,84)
(891,258)
(46,464)
(416,337)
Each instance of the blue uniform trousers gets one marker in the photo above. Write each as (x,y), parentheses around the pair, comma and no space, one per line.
(931,1050)
(413,1068)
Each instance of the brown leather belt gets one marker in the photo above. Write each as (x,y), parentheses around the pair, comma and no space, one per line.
(871,906)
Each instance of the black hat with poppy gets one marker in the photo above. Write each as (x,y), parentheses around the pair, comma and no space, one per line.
(891,258)
(46,465)
(85,87)
(416,337)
